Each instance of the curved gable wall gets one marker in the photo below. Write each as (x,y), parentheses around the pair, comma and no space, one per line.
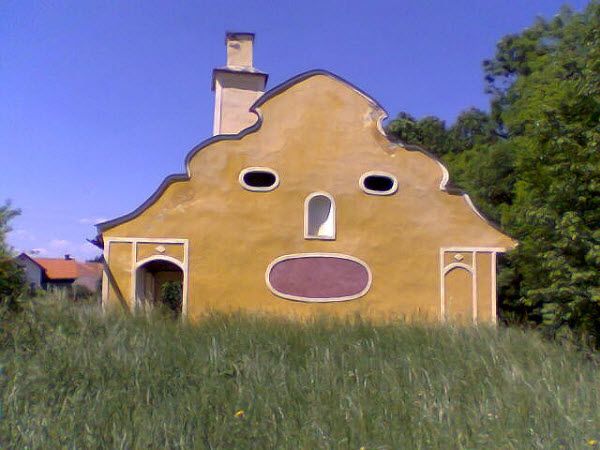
(320,134)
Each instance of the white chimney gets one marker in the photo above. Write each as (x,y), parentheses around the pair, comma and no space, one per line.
(237,86)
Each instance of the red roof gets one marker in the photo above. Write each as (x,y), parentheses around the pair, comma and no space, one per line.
(67,269)
(89,268)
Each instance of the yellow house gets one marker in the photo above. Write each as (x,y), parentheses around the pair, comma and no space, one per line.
(298,205)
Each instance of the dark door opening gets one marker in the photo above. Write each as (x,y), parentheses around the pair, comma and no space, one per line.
(159,283)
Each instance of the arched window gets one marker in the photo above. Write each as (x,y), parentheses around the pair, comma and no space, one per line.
(319,216)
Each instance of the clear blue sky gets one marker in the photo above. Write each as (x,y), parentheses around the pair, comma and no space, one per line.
(100,100)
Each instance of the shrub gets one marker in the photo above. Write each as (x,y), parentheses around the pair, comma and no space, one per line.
(12,280)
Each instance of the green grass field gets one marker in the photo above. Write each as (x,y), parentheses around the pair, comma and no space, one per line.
(73,378)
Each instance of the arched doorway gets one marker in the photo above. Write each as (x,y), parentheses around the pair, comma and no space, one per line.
(459,293)
(159,283)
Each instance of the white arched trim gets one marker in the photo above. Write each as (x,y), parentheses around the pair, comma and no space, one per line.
(134,265)
(392,190)
(473,272)
(458,266)
(333,214)
(474,251)
(168,259)
(258,169)
(159,258)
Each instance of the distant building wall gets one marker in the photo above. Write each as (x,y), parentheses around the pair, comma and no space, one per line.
(33,272)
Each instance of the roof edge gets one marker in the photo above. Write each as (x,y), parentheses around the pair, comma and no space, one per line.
(31,259)
(308,74)
(282,87)
(447,186)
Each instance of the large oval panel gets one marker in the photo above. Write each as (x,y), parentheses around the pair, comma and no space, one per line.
(318,277)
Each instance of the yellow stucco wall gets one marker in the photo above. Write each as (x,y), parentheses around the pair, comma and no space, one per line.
(119,286)
(318,135)
(459,295)
(484,287)
(147,250)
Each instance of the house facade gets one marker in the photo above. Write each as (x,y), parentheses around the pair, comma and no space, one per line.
(299,205)
(49,273)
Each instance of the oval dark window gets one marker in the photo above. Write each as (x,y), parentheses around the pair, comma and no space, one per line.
(259,179)
(379,183)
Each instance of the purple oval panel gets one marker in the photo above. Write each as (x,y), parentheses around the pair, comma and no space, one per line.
(317,277)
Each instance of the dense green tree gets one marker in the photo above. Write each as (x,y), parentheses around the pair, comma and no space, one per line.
(553,117)
(472,127)
(533,164)
(11,275)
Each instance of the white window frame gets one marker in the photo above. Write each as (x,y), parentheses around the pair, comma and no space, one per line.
(333,213)
(259,188)
(364,176)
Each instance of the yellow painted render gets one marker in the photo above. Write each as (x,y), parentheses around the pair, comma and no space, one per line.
(120,263)
(319,135)
(465,258)
(484,287)
(459,295)
(145,250)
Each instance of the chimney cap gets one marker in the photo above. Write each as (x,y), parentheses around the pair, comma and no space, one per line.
(238,34)
(244,70)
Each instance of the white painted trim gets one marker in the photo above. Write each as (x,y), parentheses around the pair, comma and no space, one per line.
(105,287)
(318,299)
(217,112)
(333,212)
(166,258)
(186,280)
(469,202)
(448,269)
(473,269)
(134,241)
(382,115)
(494,290)
(392,190)
(145,240)
(443,187)
(474,249)
(442,287)
(159,258)
(445,176)
(457,265)
(254,188)
(474,285)
(133,282)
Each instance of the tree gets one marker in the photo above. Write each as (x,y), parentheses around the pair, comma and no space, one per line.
(12,282)
(97,259)
(552,112)
(533,164)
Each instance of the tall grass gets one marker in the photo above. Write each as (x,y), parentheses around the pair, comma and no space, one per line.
(73,378)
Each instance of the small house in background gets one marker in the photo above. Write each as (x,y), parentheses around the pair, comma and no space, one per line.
(48,273)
